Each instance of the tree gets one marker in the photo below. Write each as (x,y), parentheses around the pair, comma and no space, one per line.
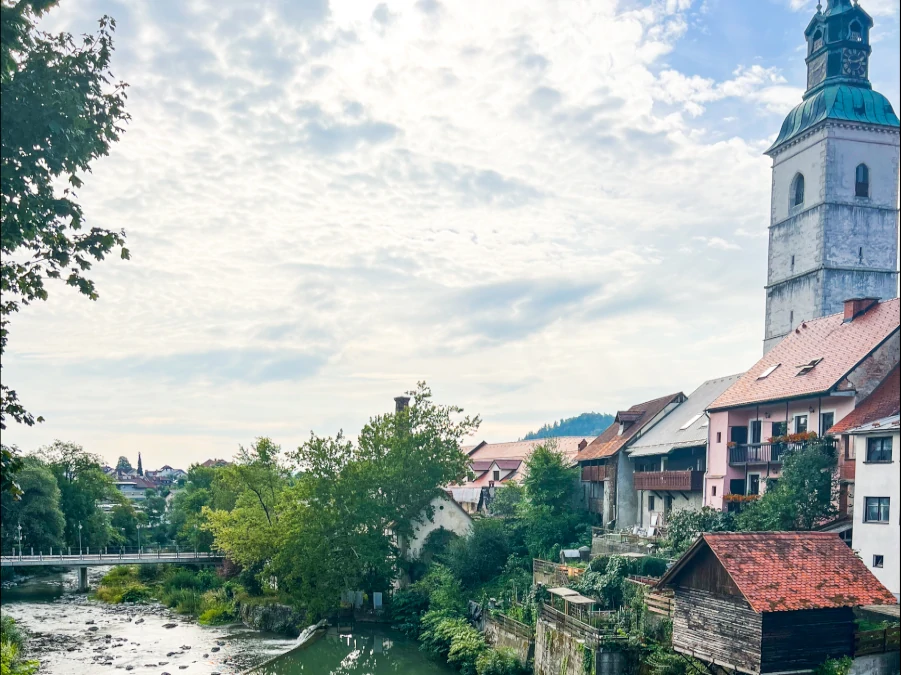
(588,425)
(507,500)
(83,486)
(684,526)
(59,114)
(550,490)
(140,466)
(38,510)
(10,464)
(123,465)
(481,555)
(803,497)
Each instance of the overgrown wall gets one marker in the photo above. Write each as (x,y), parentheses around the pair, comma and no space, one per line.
(558,653)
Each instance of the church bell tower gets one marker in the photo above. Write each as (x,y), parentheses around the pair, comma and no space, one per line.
(833,231)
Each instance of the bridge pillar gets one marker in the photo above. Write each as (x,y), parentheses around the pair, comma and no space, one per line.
(83,579)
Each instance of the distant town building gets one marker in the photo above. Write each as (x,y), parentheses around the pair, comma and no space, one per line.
(135,487)
(833,231)
(796,393)
(215,463)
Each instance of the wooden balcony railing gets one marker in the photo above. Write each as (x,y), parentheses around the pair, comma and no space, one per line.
(683,481)
(768,453)
(594,473)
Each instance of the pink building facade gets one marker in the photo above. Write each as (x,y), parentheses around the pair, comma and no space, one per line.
(801,388)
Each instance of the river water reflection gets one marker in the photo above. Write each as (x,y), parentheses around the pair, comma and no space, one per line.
(74,635)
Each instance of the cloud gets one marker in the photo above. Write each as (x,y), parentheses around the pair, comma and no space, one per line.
(538,212)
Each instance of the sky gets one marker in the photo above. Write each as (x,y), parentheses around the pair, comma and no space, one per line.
(540,209)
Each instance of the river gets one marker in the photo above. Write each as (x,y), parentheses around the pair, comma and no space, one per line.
(73,635)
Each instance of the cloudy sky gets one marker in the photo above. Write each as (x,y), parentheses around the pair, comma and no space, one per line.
(541,209)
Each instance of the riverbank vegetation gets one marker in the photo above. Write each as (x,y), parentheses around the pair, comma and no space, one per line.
(12,640)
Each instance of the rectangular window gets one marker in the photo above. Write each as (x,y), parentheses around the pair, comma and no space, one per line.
(736,486)
(876,509)
(719,436)
(650,503)
(800,424)
(667,504)
(754,484)
(878,561)
(497,475)
(780,428)
(769,371)
(879,449)
(755,431)
(827,420)
(713,490)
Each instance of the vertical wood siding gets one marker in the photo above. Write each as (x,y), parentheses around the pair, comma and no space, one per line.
(804,639)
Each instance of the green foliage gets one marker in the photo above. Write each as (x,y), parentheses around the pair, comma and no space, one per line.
(83,486)
(407,607)
(507,500)
(664,661)
(451,638)
(59,114)
(840,666)
(136,593)
(588,425)
(436,543)
(37,509)
(649,566)
(501,661)
(219,614)
(480,555)
(805,495)
(607,586)
(123,465)
(684,526)
(10,464)
(548,514)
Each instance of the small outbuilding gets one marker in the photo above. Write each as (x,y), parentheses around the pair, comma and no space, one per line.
(769,602)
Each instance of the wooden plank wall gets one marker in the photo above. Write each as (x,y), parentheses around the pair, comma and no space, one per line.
(715,628)
(804,639)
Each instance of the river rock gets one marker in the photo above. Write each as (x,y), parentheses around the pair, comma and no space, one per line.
(273,618)
(169,625)
(214,649)
(94,628)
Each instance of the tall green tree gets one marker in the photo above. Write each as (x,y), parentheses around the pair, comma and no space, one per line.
(548,510)
(123,465)
(38,510)
(61,112)
(804,496)
(83,487)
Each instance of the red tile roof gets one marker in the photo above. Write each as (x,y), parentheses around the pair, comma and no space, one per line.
(883,402)
(841,346)
(611,441)
(788,571)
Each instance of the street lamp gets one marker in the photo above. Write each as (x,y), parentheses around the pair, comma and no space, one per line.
(195,540)
(20,539)
(139,538)
(79,538)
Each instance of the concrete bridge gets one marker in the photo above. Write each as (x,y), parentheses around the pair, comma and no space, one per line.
(122,557)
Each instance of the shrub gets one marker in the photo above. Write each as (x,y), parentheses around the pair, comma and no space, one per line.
(452,638)
(650,566)
(136,593)
(444,591)
(840,666)
(480,555)
(407,607)
(501,661)
(217,615)
(148,572)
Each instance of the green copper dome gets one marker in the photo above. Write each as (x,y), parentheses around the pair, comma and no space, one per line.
(837,102)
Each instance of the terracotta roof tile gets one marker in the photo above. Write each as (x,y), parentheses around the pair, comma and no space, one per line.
(611,441)
(883,402)
(787,571)
(841,346)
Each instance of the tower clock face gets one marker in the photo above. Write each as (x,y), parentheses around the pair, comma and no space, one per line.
(816,71)
(854,63)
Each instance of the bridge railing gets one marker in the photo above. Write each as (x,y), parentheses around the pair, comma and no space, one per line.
(111,553)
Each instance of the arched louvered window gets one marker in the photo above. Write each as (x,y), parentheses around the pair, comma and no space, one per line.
(854,32)
(862,181)
(797,192)
(817,41)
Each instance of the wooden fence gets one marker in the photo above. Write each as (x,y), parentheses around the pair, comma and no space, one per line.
(512,626)
(574,627)
(877,641)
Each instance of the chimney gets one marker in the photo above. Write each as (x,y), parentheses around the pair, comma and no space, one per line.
(582,445)
(854,307)
(401,403)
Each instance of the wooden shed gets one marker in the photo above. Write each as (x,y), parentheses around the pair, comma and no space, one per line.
(769,602)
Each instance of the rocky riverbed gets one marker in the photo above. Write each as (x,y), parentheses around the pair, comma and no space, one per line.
(71,634)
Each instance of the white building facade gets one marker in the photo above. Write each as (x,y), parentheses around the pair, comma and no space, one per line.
(877,499)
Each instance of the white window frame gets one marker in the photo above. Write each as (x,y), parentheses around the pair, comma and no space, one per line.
(825,411)
(748,484)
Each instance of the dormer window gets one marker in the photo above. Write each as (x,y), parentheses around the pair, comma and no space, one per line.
(807,367)
(855,34)
(769,371)
(797,191)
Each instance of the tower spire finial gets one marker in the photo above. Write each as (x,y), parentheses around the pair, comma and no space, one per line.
(819,7)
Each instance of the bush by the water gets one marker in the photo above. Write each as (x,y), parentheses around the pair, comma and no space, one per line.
(11,642)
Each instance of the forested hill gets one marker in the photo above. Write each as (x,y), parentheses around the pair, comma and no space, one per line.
(588,425)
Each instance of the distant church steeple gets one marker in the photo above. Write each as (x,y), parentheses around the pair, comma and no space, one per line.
(833,231)
(140,467)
